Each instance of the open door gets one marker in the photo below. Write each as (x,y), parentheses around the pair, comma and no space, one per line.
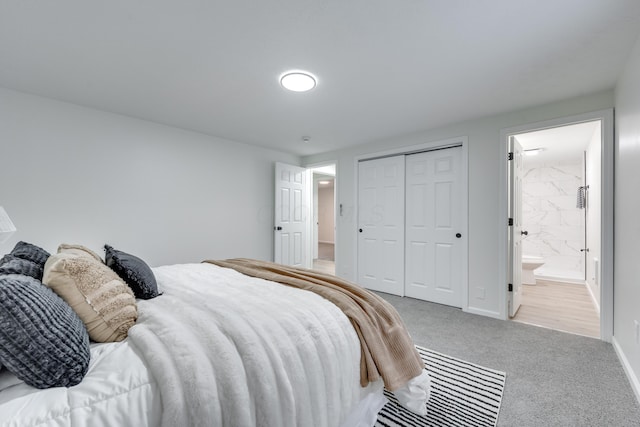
(515,226)
(291,230)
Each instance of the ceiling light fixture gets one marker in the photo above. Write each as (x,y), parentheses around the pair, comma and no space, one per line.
(298,81)
(323,182)
(533,151)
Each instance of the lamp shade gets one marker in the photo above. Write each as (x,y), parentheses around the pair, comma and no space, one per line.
(6,226)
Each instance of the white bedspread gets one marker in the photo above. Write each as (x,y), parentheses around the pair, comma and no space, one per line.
(116,391)
(216,349)
(231,350)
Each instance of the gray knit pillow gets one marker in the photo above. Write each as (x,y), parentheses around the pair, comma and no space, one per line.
(21,266)
(42,340)
(31,252)
(5,259)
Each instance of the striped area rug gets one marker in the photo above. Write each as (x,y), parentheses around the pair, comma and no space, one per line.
(463,394)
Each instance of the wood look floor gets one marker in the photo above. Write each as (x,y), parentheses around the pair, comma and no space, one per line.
(562,306)
(326,251)
(324,266)
(326,256)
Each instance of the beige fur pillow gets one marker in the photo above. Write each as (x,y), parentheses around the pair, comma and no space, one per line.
(78,250)
(102,300)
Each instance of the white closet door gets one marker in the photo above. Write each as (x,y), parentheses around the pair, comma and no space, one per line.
(381,224)
(434,243)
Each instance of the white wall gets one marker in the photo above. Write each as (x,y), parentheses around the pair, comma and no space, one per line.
(627,216)
(326,213)
(550,215)
(594,217)
(77,175)
(485,155)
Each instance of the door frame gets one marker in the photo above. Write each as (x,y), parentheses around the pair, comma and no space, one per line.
(312,206)
(606,239)
(462,141)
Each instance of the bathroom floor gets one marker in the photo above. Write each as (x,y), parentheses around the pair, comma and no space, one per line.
(562,306)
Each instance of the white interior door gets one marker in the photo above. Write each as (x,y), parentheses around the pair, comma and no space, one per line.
(381,224)
(291,231)
(434,242)
(515,231)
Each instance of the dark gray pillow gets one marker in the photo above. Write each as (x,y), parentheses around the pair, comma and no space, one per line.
(42,340)
(21,266)
(5,259)
(134,271)
(31,252)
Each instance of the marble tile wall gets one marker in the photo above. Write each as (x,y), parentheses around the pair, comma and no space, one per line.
(555,225)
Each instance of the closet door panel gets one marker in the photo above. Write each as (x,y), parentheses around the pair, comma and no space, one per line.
(433,252)
(381,224)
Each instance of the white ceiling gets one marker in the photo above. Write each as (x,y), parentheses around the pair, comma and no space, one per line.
(385,67)
(559,144)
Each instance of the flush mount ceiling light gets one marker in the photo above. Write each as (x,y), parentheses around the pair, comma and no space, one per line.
(324,182)
(533,151)
(298,81)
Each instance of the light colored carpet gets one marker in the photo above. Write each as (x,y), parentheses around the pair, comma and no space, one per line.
(553,378)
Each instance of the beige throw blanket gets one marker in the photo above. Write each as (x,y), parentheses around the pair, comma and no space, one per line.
(387,349)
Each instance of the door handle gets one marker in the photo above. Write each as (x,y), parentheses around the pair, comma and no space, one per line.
(278,228)
(458,235)
(584,250)
(524,233)
(360,230)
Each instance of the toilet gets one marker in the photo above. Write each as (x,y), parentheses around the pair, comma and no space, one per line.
(529,264)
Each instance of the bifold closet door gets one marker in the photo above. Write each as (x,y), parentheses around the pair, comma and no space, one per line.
(433,249)
(381,224)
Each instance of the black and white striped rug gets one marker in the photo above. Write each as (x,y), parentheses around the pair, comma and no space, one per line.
(463,394)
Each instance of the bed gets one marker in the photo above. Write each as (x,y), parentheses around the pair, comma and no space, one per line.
(216,346)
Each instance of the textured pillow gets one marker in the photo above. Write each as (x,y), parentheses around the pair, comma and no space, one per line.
(5,259)
(31,252)
(102,300)
(134,271)
(42,340)
(78,250)
(21,266)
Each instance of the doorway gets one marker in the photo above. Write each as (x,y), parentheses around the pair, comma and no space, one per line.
(305,215)
(565,226)
(324,217)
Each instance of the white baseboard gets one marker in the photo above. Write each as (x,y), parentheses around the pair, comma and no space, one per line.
(560,279)
(633,379)
(483,312)
(593,298)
